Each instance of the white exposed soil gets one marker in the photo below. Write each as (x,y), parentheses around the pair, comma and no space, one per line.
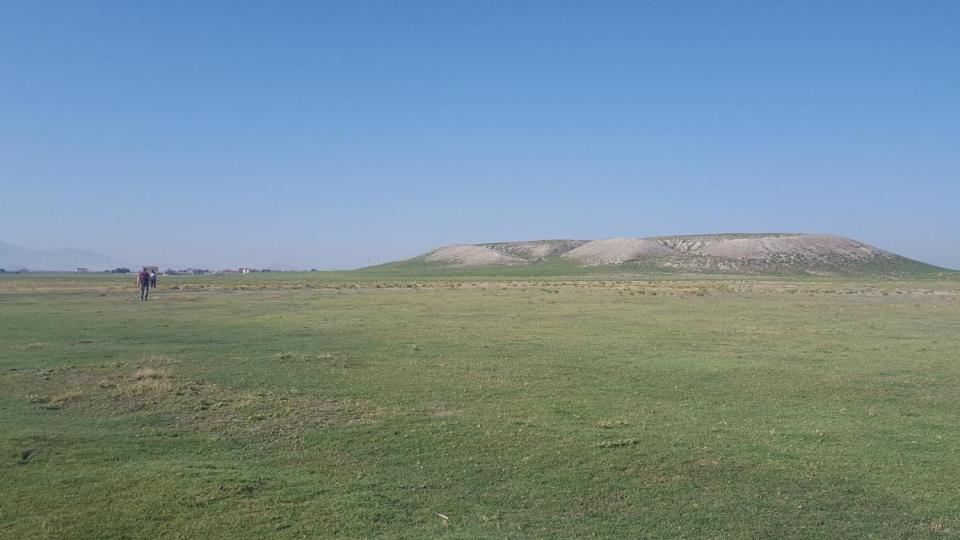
(617,251)
(537,249)
(470,255)
(806,245)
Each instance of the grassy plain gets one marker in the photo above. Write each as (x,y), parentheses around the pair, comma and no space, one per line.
(359,405)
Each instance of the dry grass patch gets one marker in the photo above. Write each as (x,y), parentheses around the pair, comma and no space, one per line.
(278,415)
(204,406)
(147,380)
(67,398)
(147,386)
(275,417)
(158,360)
(443,412)
(147,373)
(619,443)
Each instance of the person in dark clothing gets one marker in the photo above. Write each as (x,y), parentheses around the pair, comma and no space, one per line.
(143,280)
(153,279)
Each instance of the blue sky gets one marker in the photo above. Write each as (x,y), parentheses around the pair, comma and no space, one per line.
(333,134)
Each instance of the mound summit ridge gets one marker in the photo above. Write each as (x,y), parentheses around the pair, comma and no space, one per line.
(780,253)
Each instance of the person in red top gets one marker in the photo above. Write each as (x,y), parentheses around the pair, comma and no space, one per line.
(143,280)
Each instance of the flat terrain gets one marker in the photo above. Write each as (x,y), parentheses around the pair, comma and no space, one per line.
(354,405)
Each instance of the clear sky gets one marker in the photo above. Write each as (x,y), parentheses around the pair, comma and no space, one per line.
(333,134)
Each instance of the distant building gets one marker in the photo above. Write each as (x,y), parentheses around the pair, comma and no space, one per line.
(154,269)
(247,270)
(82,270)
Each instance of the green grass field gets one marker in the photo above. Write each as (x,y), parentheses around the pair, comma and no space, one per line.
(363,405)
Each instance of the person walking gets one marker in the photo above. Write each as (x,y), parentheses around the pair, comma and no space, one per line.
(153,279)
(143,280)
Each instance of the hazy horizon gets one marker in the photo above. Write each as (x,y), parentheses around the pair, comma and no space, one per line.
(316,135)
(276,266)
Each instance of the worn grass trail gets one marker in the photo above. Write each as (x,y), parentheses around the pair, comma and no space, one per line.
(513,408)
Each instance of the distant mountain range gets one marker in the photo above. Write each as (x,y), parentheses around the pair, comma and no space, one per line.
(770,253)
(14,258)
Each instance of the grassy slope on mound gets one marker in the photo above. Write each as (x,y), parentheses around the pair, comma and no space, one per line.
(552,267)
(743,408)
(558,267)
(897,266)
